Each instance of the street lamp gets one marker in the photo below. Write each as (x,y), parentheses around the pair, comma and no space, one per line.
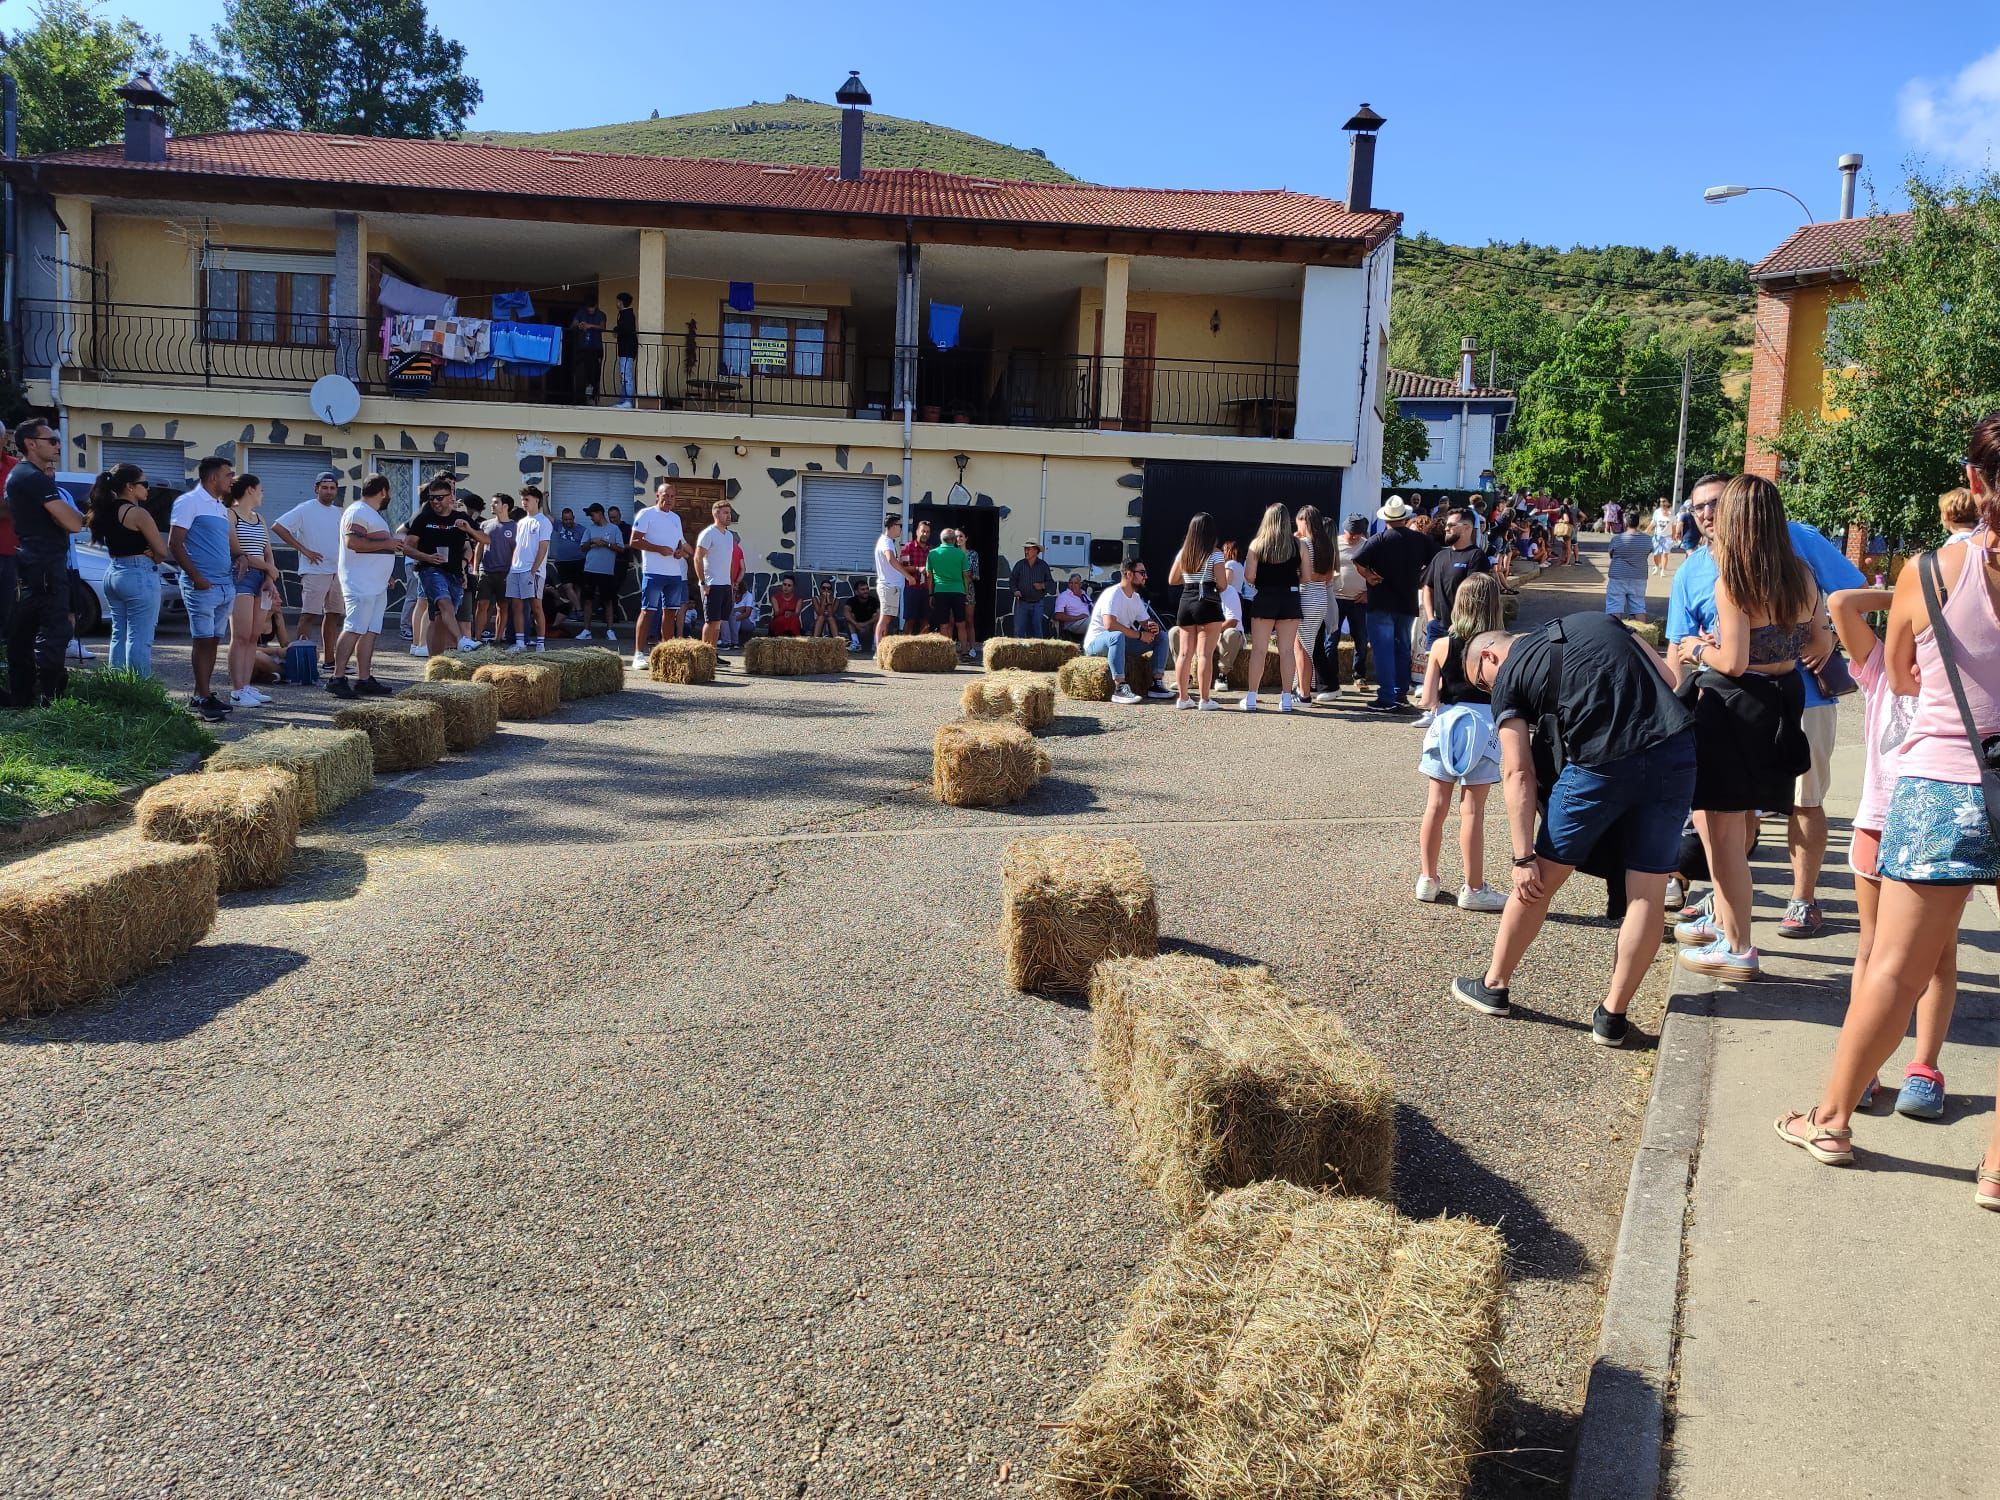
(1735,190)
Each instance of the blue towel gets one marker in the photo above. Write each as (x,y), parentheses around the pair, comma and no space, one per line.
(743,296)
(527,343)
(944,324)
(478,369)
(513,307)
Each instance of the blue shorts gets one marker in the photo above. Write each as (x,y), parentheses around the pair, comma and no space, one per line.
(1624,598)
(251,583)
(1640,802)
(1936,833)
(440,585)
(663,591)
(208,609)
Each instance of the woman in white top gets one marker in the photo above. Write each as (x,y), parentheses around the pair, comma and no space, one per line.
(1663,537)
(255,571)
(1319,561)
(1200,571)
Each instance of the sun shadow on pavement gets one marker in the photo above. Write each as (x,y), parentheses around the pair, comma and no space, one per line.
(166,1005)
(1436,1175)
(320,872)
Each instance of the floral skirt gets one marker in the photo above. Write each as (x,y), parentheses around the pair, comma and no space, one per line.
(1937,834)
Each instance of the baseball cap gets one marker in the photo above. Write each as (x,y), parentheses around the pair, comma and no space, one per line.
(326,476)
(1357,522)
(593,509)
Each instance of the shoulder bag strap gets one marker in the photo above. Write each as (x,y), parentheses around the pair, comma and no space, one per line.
(1989,779)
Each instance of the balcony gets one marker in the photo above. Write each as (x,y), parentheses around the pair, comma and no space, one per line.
(123,343)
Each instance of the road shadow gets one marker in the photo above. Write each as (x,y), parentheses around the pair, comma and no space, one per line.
(166,1005)
(320,872)
(1206,950)
(1526,1450)
(1435,1175)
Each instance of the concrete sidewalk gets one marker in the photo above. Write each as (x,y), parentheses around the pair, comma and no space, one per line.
(1834,1334)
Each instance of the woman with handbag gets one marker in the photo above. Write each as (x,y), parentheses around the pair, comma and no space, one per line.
(1749,708)
(1940,837)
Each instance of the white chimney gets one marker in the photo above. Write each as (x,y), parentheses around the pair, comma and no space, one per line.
(1850,168)
(1468,351)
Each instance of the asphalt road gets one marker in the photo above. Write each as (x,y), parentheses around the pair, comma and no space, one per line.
(637,1106)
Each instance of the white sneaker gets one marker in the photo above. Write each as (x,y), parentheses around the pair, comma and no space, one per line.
(1676,893)
(83,652)
(1284,703)
(583,635)
(467,643)
(1428,889)
(246,698)
(517,648)
(1183,703)
(1326,700)
(1249,703)
(538,646)
(1208,705)
(1126,695)
(1424,720)
(1480,898)
(610,634)
(420,651)
(639,662)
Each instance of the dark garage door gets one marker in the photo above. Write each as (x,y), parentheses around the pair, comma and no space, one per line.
(1235,494)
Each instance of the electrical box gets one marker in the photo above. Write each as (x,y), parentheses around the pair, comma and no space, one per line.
(1066,549)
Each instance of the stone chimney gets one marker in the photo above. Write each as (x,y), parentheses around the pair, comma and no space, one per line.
(145,125)
(853,94)
(1361,159)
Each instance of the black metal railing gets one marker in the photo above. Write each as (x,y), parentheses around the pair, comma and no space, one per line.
(692,372)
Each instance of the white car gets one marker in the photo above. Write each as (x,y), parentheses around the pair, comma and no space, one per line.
(91,561)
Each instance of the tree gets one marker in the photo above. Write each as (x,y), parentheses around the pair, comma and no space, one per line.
(1406,442)
(67,64)
(1912,363)
(202,96)
(354,67)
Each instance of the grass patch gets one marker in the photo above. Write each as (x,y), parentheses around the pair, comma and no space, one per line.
(113,729)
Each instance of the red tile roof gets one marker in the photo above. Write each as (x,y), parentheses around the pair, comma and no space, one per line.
(473,167)
(1832,247)
(1408,385)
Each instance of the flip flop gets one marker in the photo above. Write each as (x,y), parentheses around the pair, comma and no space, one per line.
(1829,1147)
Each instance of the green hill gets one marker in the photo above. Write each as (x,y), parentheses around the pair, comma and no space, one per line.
(796,133)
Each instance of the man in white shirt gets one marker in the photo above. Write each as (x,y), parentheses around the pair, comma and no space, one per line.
(890,576)
(714,559)
(368,553)
(527,574)
(312,529)
(1072,609)
(1124,632)
(661,542)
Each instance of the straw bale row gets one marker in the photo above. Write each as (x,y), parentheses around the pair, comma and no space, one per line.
(917,653)
(584,671)
(682,660)
(1028,654)
(794,655)
(1068,901)
(984,762)
(1028,698)
(1087,679)
(406,735)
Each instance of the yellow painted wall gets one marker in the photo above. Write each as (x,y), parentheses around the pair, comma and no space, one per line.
(150,261)
(1255,330)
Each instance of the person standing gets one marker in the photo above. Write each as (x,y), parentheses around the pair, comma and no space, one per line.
(714,561)
(945,565)
(439,534)
(1272,570)
(968,610)
(123,527)
(252,569)
(916,594)
(624,569)
(1350,598)
(566,559)
(625,333)
(198,536)
(586,353)
(1627,777)
(1454,562)
(601,546)
(1461,750)
(312,529)
(1031,584)
(527,575)
(44,521)
(10,544)
(1319,563)
(368,553)
(1124,632)
(1631,555)
(892,575)
(1691,613)
(1663,538)
(1392,562)
(1200,571)
(496,561)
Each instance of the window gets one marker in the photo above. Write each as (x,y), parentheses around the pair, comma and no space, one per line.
(576,486)
(267,297)
(406,477)
(288,475)
(840,516)
(811,337)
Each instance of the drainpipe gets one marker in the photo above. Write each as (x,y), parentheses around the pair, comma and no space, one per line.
(10,116)
(1042,522)
(1464,432)
(62,344)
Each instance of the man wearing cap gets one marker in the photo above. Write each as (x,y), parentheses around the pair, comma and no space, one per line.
(312,529)
(1033,584)
(603,545)
(1392,564)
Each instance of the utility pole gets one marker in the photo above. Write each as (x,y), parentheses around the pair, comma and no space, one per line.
(1681,448)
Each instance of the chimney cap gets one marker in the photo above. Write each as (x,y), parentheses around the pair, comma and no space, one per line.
(1851,162)
(1365,120)
(853,92)
(140,92)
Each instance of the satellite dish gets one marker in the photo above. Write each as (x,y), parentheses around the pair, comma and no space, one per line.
(334,400)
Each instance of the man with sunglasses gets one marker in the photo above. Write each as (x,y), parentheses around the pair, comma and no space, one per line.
(1124,632)
(1626,783)
(44,521)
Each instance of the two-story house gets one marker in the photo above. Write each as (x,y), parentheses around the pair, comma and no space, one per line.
(1075,364)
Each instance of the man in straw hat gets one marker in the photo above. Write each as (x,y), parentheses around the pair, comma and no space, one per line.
(1392,562)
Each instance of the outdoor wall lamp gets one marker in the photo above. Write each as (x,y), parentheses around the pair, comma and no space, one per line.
(958,493)
(1215,321)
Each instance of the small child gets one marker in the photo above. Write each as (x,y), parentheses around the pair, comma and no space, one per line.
(1461,749)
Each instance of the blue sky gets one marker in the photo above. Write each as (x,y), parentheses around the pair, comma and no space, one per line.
(1557,123)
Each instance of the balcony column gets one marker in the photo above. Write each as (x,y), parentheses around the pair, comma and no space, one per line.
(349,299)
(909,323)
(651,313)
(77,289)
(1111,343)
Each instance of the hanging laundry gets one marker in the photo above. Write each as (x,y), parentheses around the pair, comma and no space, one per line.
(944,324)
(743,296)
(465,340)
(399,296)
(528,348)
(512,307)
(412,374)
(477,369)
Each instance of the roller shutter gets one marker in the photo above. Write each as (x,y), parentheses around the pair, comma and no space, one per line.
(580,485)
(288,475)
(165,462)
(840,516)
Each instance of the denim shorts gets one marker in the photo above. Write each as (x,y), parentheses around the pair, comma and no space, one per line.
(663,591)
(1639,802)
(251,583)
(440,585)
(1936,833)
(208,609)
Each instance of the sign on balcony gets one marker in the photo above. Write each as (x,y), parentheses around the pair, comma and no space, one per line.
(769,352)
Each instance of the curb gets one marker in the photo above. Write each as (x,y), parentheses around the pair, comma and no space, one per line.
(1621,1450)
(31,831)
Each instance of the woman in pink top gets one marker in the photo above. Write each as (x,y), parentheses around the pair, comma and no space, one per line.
(1936,841)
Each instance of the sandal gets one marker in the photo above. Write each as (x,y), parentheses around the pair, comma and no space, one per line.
(1987,1200)
(1829,1147)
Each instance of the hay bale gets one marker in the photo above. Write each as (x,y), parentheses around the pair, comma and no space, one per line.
(1028,698)
(1226,1080)
(984,762)
(250,819)
(406,736)
(86,917)
(528,690)
(1087,679)
(794,656)
(917,653)
(1239,671)
(1649,631)
(471,710)
(331,765)
(1027,654)
(1068,901)
(458,666)
(585,671)
(1292,1344)
(682,661)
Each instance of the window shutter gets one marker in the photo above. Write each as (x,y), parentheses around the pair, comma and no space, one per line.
(165,462)
(288,475)
(840,515)
(579,485)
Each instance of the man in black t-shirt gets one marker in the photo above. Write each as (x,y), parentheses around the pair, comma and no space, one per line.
(1458,559)
(1626,783)
(586,352)
(43,522)
(441,534)
(1392,561)
(625,332)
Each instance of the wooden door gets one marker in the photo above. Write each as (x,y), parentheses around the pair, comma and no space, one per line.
(1135,407)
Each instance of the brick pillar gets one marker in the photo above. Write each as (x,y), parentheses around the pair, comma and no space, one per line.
(1768,359)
